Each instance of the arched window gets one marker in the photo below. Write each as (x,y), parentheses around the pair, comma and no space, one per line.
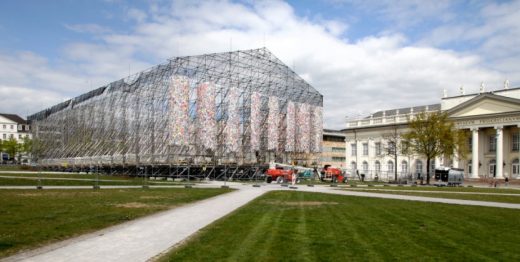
(404,167)
(365,167)
(390,166)
(353,166)
(377,166)
(516,166)
(418,166)
(492,167)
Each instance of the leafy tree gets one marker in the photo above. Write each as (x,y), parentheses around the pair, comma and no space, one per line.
(25,147)
(11,147)
(395,147)
(432,135)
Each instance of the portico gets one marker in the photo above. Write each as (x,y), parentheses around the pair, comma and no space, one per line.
(492,122)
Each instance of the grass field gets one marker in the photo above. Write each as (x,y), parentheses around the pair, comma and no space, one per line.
(32,218)
(297,226)
(74,180)
(453,189)
(454,195)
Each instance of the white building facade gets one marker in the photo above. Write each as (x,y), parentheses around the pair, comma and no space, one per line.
(13,126)
(492,120)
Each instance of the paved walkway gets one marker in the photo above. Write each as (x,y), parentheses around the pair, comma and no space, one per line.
(145,238)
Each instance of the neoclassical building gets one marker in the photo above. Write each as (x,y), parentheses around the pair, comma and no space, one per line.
(492,120)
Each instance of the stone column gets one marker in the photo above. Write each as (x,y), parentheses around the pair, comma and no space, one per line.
(500,152)
(455,160)
(474,153)
(346,153)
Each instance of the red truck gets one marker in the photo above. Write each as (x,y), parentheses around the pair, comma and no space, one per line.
(333,174)
(279,174)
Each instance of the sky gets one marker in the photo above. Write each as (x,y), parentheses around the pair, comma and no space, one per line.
(363,56)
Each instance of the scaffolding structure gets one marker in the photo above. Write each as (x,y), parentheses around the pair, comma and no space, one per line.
(212,115)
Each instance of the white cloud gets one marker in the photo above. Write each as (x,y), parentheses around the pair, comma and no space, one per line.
(377,72)
(88,28)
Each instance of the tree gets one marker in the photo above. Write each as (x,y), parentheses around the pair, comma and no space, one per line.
(11,147)
(432,135)
(395,146)
(25,147)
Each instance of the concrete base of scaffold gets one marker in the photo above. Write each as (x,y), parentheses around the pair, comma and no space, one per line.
(293,187)
(256,185)
(188,186)
(224,186)
(145,187)
(284,185)
(333,185)
(39,187)
(309,185)
(95,187)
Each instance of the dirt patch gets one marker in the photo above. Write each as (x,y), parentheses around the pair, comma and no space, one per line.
(138,205)
(303,203)
(151,197)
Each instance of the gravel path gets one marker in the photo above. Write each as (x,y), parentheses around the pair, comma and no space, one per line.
(145,238)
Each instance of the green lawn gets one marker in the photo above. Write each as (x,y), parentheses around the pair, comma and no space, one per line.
(68,180)
(31,218)
(452,189)
(453,195)
(297,226)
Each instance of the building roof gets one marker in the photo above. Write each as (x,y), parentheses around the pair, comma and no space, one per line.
(482,97)
(491,91)
(332,132)
(406,110)
(14,118)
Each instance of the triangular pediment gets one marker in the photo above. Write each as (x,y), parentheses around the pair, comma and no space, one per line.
(486,104)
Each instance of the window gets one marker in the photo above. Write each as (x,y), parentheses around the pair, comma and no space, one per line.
(353,166)
(470,144)
(432,166)
(492,143)
(353,149)
(377,166)
(12,126)
(516,145)
(338,159)
(20,136)
(378,148)
(365,167)
(492,167)
(20,127)
(365,149)
(11,136)
(404,167)
(390,166)
(5,127)
(516,166)
(418,166)
(470,165)
(4,136)
(338,149)
(391,147)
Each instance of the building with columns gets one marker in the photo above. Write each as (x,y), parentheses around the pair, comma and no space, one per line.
(492,120)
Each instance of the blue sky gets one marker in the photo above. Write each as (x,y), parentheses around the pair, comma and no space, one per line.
(362,55)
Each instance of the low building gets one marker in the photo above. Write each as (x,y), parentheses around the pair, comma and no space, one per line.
(333,148)
(492,120)
(12,126)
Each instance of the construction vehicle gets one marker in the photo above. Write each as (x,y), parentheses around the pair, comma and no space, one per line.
(446,176)
(334,174)
(283,173)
